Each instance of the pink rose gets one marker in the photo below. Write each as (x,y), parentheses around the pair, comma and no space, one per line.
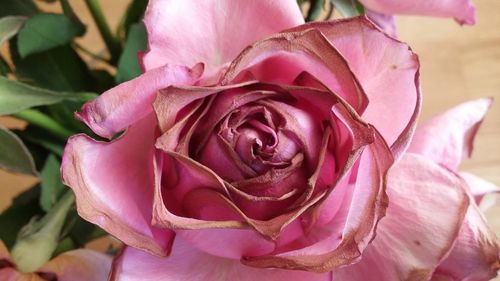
(382,11)
(77,265)
(239,157)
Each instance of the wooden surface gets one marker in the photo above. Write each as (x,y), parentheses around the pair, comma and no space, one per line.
(458,64)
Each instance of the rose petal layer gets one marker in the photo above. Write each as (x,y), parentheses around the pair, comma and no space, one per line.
(188,263)
(476,254)
(213,32)
(448,138)
(387,70)
(427,205)
(113,185)
(123,105)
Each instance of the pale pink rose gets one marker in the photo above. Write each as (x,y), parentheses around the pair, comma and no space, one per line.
(382,12)
(76,265)
(249,151)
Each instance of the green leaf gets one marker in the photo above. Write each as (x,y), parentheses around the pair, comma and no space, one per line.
(16,96)
(9,26)
(14,156)
(134,14)
(315,9)
(59,69)
(4,67)
(24,207)
(128,65)
(103,80)
(52,187)
(349,8)
(38,34)
(82,231)
(17,8)
(70,13)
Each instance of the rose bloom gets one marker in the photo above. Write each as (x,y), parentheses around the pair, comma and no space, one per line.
(257,147)
(77,265)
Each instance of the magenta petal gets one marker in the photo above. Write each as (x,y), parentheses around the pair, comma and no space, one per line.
(427,205)
(448,138)
(462,10)
(79,265)
(113,185)
(128,102)
(188,263)
(213,32)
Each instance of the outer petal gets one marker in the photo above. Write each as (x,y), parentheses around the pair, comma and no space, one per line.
(427,206)
(476,254)
(462,10)
(448,138)
(213,32)
(386,22)
(388,72)
(113,184)
(187,263)
(128,102)
(479,188)
(79,265)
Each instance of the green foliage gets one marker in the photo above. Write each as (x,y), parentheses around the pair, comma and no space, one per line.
(349,8)
(128,65)
(24,207)
(10,26)
(52,187)
(17,8)
(4,67)
(133,15)
(59,69)
(16,96)
(315,9)
(38,34)
(14,156)
(45,76)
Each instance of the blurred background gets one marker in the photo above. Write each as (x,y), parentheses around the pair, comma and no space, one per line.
(457,64)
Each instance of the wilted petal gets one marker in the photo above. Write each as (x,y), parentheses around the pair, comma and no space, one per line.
(448,138)
(113,185)
(128,102)
(299,50)
(353,225)
(476,254)
(213,32)
(188,263)
(78,265)
(462,10)
(427,205)
(209,218)
(388,71)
